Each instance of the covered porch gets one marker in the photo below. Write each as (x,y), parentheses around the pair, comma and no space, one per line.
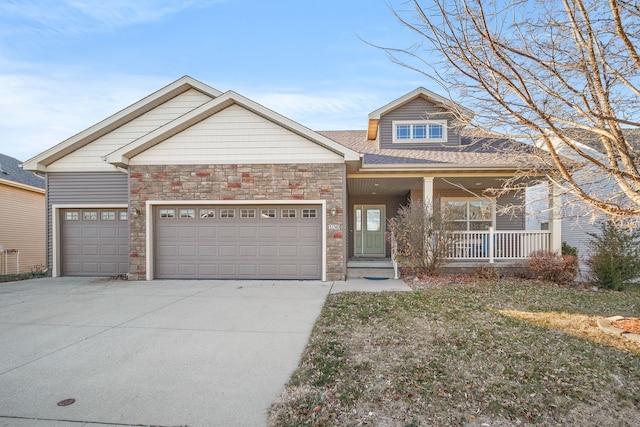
(482,232)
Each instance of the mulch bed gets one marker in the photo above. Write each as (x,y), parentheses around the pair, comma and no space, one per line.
(630,324)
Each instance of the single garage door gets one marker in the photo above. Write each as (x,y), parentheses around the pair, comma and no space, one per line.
(94,242)
(238,242)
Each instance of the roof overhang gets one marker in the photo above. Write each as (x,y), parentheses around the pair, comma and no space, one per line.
(21,186)
(122,156)
(374,117)
(44,159)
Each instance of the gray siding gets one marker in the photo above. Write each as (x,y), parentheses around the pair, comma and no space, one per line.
(80,188)
(418,109)
(511,222)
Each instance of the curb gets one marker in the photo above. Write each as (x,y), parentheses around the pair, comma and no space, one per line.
(605,325)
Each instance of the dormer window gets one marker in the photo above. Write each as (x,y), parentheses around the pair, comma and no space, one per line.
(419,131)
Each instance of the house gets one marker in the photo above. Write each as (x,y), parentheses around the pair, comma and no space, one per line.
(579,219)
(191,182)
(22,218)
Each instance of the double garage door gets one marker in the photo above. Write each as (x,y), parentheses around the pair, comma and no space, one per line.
(238,242)
(95,242)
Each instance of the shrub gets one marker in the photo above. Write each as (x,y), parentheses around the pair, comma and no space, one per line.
(420,238)
(552,267)
(486,272)
(567,249)
(615,258)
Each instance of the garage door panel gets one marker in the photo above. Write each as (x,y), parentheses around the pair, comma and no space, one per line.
(248,232)
(187,232)
(257,242)
(93,244)
(225,232)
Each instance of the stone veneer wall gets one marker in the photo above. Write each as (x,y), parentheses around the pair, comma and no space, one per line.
(238,182)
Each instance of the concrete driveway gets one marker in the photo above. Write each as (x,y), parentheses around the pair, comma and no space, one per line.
(165,353)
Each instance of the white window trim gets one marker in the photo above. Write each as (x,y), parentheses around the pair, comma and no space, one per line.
(412,140)
(491,200)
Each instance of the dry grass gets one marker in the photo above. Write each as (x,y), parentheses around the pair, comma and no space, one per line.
(485,354)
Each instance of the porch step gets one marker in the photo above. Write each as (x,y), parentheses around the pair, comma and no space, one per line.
(379,269)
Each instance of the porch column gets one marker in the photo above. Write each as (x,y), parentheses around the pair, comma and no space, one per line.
(427,191)
(555,218)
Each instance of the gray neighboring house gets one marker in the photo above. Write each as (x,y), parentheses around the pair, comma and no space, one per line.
(579,220)
(22,218)
(194,183)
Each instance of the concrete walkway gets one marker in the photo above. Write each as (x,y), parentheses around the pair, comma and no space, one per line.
(164,353)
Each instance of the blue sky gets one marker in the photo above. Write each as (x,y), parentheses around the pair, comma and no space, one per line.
(67,64)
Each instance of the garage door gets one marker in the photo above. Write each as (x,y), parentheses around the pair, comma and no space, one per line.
(238,242)
(94,242)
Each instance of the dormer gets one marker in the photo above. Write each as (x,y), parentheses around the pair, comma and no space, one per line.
(421,119)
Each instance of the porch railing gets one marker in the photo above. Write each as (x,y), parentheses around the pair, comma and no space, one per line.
(497,245)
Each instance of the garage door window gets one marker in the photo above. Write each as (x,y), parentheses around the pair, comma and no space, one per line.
(167,213)
(247,213)
(288,213)
(90,215)
(123,216)
(187,213)
(227,213)
(108,215)
(72,216)
(309,213)
(267,213)
(207,213)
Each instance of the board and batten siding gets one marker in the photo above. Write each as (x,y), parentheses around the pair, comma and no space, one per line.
(236,135)
(89,157)
(22,227)
(418,109)
(83,188)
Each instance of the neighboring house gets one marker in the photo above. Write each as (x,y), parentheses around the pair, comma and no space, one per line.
(579,219)
(22,218)
(190,182)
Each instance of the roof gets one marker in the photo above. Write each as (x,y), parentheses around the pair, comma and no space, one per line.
(420,92)
(474,153)
(10,170)
(592,140)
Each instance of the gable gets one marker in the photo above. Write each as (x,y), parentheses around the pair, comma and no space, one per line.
(90,156)
(416,110)
(235,134)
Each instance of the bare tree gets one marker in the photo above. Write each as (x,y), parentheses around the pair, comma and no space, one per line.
(554,72)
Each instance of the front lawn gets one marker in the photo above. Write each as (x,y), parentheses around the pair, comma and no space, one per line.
(485,354)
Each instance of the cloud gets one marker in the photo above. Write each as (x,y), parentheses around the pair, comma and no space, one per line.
(77,16)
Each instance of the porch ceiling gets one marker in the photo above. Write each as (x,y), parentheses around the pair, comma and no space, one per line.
(401,186)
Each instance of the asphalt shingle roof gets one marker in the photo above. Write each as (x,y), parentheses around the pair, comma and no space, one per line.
(10,170)
(472,151)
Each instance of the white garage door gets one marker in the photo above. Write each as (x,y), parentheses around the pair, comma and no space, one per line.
(238,242)
(94,242)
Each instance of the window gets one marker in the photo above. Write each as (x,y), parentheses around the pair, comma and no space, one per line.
(207,213)
(468,215)
(72,216)
(227,213)
(309,213)
(267,213)
(123,216)
(187,213)
(90,215)
(108,216)
(288,213)
(420,131)
(247,213)
(167,213)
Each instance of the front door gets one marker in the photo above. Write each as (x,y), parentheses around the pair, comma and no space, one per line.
(370,230)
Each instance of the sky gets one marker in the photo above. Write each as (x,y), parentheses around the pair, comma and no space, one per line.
(67,64)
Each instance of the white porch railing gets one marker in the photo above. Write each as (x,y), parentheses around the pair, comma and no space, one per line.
(497,245)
